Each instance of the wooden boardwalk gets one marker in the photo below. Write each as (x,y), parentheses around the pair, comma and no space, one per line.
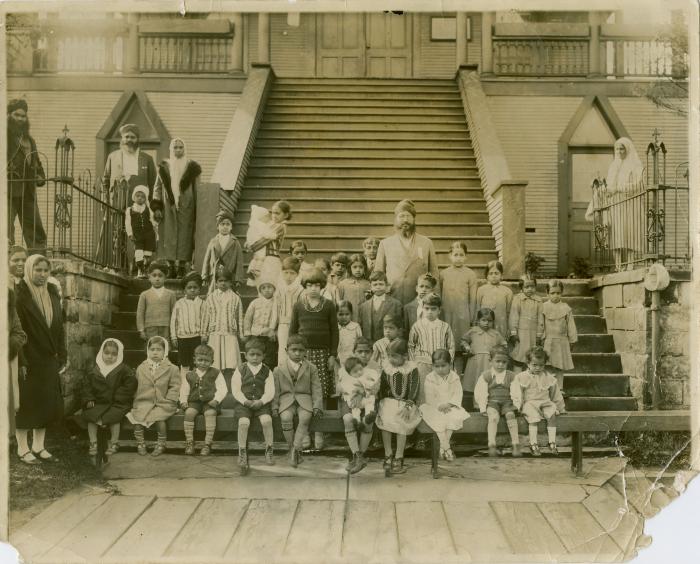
(287,516)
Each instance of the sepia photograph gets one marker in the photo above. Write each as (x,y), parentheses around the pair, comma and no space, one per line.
(299,281)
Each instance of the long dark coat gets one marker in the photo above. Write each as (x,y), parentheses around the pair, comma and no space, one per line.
(41,401)
(113,394)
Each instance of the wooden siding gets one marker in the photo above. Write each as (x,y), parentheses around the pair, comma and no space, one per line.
(250,40)
(293,54)
(529,129)
(438,59)
(202,120)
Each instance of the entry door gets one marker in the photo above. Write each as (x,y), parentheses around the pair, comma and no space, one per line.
(584,165)
(341,46)
(389,45)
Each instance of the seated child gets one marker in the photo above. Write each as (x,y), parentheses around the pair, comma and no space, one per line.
(373,311)
(398,413)
(140,228)
(363,351)
(157,393)
(536,394)
(155,306)
(370,246)
(413,310)
(261,319)
(253,389)
(392,331)
(299,250)
(492,397)
(297,392)
(442,409)
(358,386)
(186,321)
(108,392)
(202,391)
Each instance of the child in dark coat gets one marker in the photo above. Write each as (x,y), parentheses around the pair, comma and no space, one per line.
(108,393)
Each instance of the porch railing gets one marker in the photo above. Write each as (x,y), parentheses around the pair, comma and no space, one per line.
(67,216)
(540,57)
(185,53)
(646,221)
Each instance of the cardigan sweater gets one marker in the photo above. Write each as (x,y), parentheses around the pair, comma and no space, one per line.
(155,310)
(320,328)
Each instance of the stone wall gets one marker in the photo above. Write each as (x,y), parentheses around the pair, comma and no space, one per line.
(626,306)
(89,298)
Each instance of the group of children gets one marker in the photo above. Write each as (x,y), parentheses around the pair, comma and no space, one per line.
(328,335)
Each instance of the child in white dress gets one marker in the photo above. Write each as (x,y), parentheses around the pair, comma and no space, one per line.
(442,409)
(536,394)
(222,323)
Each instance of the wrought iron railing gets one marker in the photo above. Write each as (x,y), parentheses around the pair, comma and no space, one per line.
(67,216)
(645,221)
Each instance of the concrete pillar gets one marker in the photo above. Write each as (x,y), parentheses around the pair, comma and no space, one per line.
(487,19)
(263,39)
(513,244)
(237,44)
(131,65)
(461,43)
(594,60)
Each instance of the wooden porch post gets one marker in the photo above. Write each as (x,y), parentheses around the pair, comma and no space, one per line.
(461,42)
(487,43)
(619,50)
(594,68)
(131,64)
(263,39)
(237,44)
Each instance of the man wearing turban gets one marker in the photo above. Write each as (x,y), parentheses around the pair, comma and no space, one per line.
(24,174)
(405,255)
(127,168)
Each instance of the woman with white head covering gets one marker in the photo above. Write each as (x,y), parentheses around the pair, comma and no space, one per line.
(41,402)
(176,187)
(107,392)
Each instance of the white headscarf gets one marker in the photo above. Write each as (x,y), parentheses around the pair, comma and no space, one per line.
(164,341)
(140,207)
(41,296)
(177,168)
(107,368)
(624,174)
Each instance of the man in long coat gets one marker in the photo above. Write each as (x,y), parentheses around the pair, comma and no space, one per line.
(405,255)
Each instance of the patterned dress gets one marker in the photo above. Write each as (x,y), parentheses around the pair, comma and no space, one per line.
(398,393)
(222,323)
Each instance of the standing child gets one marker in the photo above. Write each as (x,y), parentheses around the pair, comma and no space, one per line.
(358,386)
(536,394)
(348,332)
(492,397)
(330,292)
(495,296)
(442,409)
(339,267)
(202,391)
(477,344)
(354,288)
(271,243)
(297,392)
(223,252)
(288,293)
(108,393)
(222,323)
(427,335)
(458,286)
(253,389)
(138,222)
(155,305)
(261,320)
(398,414)
(559,328)
(186,321)
(392,331)
(374,310)
(413,310)
(525,320)
(299,250)
(370,246)
(157,393)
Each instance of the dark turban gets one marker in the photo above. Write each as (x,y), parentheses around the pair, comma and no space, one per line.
(405,205)
(224,215)
(17,104)
(129,127)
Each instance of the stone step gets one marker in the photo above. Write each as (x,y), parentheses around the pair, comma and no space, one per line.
(369,214)
(367,144)
(275,110)
(364,228)
(389,154)
(596,363)
(595,343)
(320,160)
(596,385)
(590,324)
(374,182)
(360,114)
(368,138)
(433,171)
(344,202)
(601,404)
(380,103)
(368,129)
(266,190)
(582,304)
(129,338)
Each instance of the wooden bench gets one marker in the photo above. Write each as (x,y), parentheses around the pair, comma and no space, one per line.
(576,422)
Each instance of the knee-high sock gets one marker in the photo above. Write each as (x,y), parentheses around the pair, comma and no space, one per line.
(189,430)
(139,434)
(22,436)
(552,434)
(491,428)
(268,432)
(209,426)
(386,439)
(365,439)
(352,441)
(243,426)
(400,444)
(513,430)
(162,432)
(114,432)
(38,442)
(444,441)
(533,434)
(92,431)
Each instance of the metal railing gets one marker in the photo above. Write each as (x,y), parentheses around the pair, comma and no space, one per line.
(67,216)
(645,222)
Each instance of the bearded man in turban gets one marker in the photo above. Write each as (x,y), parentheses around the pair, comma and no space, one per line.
(24,174)
(127,168)
(405,255)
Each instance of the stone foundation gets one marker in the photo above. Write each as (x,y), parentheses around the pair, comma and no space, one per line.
(89,298)
(626,306)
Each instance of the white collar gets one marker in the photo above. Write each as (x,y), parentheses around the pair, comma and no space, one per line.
(294,365)
(378,299)
(200,372)
(138,208)
(255,369)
